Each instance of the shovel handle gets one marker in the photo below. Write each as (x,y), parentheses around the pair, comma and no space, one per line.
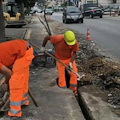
(56,59)
(33,98)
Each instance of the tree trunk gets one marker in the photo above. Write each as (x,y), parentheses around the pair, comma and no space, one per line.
(21,10)
(2,28)
(114,1)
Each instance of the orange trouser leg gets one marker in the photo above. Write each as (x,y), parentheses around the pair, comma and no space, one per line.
(25,100)
(73,78)
(61,73)
(18,81)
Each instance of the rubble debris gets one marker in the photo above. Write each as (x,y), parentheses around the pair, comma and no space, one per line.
(106,75)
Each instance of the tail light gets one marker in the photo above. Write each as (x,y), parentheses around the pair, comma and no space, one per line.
(92,10)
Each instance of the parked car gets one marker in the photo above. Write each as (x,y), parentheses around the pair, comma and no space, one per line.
(119,13)
(72,14)
(93,11)
(35,10)
(48,11)
(109,11)
(60,8)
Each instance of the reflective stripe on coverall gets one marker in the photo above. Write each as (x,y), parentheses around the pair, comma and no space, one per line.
(61,72)
(18,83)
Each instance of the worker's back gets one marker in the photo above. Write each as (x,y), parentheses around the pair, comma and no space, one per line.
(11,50)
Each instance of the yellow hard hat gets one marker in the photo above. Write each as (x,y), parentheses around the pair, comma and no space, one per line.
(69,37)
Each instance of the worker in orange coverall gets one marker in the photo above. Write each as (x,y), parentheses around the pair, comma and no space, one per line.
(18,54)
(66,47)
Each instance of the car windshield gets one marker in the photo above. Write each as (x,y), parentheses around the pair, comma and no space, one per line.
(48,10)
(7,8)
(73,10)
(97,9)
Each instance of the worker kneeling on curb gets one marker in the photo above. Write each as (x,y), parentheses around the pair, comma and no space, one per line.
(66,47)
(18,54)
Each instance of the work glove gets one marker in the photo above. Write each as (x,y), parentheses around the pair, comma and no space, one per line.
(70,65)
(42,49)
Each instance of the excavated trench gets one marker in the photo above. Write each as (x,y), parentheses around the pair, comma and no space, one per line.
(83,106)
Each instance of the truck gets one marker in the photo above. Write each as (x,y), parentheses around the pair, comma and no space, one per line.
(11,14)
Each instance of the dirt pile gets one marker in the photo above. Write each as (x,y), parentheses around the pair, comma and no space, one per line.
(104,73)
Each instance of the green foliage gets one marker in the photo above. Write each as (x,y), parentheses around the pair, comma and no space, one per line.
(27,3)
(63,4)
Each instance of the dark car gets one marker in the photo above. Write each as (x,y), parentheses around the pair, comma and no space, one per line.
(72,14)
(118,12)
(109,11)
(93,11)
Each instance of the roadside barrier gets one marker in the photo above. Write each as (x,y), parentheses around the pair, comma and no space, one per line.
(47,17)
(88,35)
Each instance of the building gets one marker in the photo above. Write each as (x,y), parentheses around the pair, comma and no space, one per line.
(101,2)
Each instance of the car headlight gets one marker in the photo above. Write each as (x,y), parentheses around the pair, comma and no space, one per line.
(68,16)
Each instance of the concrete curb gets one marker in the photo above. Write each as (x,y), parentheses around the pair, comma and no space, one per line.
(94,108)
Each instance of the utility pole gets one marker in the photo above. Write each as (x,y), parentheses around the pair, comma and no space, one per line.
(97,2)
(2,28)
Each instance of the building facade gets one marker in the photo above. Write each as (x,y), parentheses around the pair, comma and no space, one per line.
(102,2)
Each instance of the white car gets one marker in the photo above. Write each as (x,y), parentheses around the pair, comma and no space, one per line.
(35,9)
(48,11)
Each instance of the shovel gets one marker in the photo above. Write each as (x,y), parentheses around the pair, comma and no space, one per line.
(71,70)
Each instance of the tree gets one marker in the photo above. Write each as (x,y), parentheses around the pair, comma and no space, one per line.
(114,1)
(2,28)
(20,4)
(27,3)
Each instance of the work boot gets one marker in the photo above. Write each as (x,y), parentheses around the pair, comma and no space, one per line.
(11,118)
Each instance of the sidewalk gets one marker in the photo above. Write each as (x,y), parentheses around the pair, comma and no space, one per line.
(54,103)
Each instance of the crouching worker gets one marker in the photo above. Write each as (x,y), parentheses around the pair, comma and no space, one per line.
(66,47)
(18,54)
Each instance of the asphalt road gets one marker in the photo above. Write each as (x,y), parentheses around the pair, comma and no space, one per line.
(105,31)
(16,32)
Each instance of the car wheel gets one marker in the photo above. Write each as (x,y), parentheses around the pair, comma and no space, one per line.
(82,21)
(91,16)
(101,16)
(51,14)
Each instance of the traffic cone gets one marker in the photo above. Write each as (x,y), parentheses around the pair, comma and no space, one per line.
(47,17)
(88,35)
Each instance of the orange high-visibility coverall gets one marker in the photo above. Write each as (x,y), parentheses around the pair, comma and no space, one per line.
(18,54)
(64,52)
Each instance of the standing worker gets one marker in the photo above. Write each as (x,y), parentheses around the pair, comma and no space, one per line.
(18,54)
(66,47)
